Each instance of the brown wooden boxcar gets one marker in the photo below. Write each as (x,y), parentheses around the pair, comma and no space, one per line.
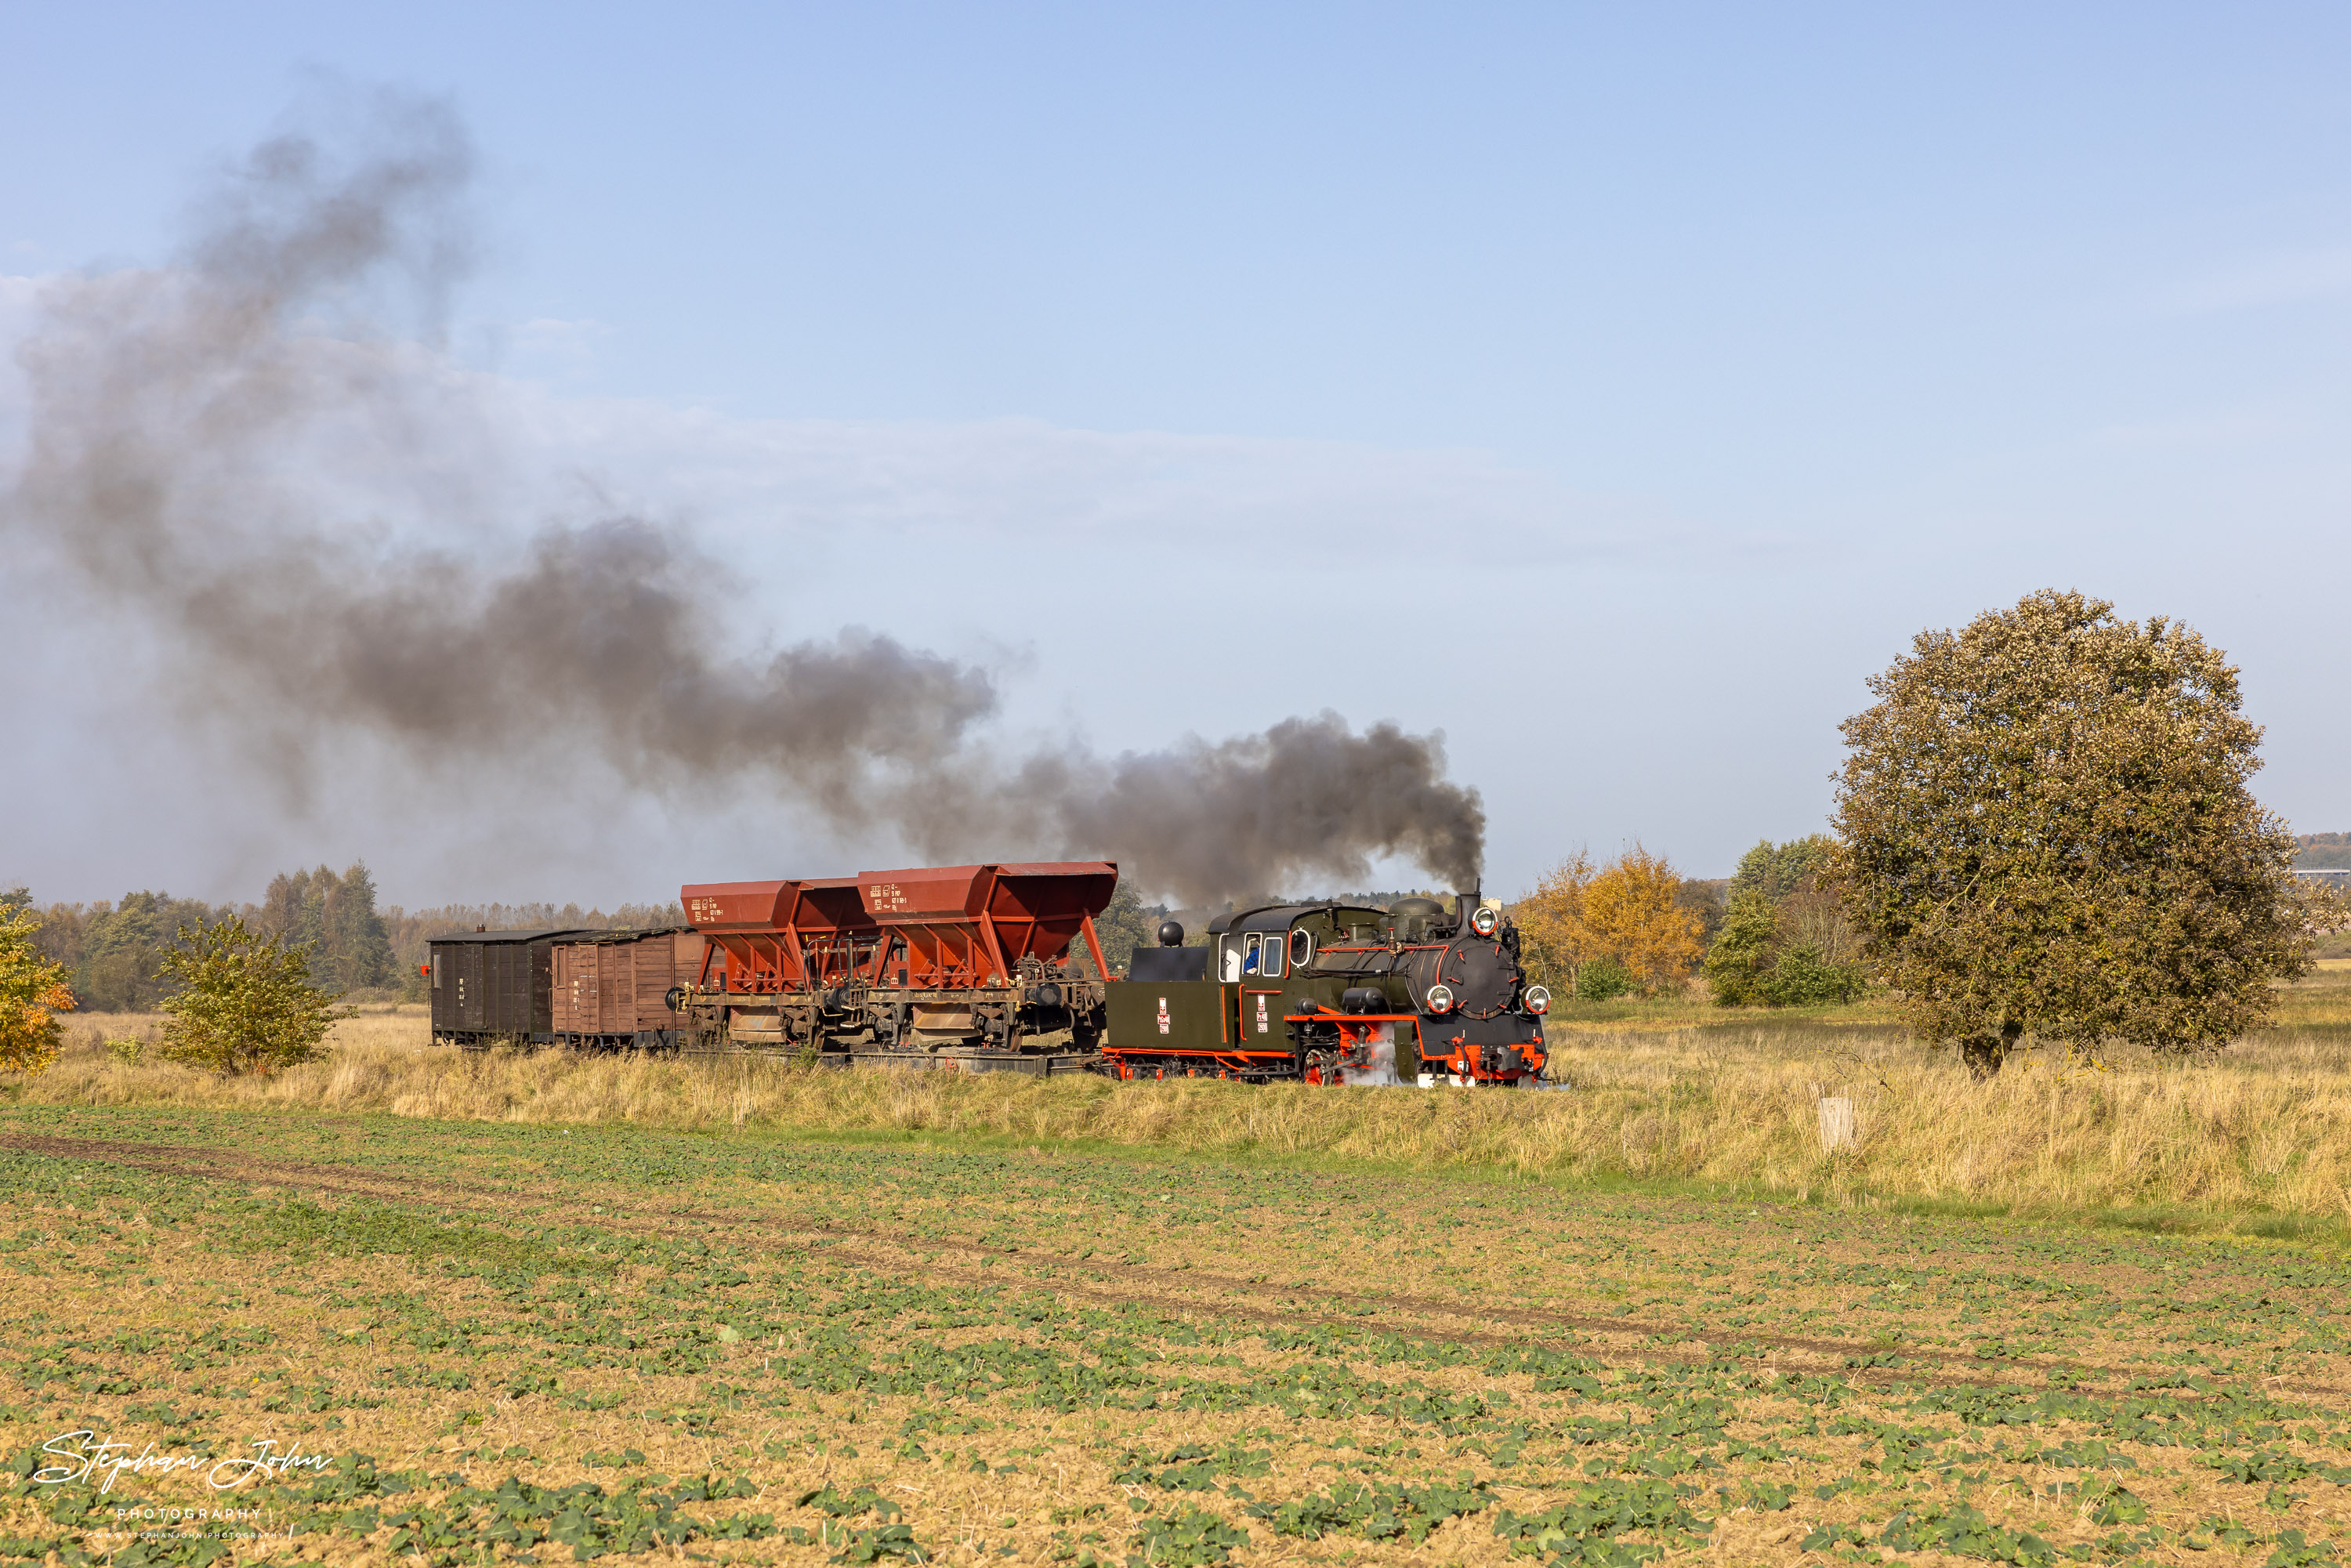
(490,987)
(613,990)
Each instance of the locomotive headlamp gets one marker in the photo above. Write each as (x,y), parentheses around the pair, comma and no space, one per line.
(1537,999)
(1440,998)
(1485,920)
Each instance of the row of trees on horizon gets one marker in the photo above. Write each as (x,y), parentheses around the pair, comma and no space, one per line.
(1772,934)
(115,950)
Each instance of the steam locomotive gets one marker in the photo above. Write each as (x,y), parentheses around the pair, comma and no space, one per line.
(1334,993)
(972,966)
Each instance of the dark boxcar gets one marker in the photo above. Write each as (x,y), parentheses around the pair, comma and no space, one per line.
(490,987)
(620,988)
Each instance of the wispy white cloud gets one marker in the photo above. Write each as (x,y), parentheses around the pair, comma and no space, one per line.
(474,445)
(2232,427)
(2279,277)
(547,348)
(1028,481)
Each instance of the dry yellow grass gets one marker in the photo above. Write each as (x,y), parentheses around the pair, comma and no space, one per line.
(2261,1139)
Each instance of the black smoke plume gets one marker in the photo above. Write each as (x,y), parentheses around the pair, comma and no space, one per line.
(1307,800)
(227,446)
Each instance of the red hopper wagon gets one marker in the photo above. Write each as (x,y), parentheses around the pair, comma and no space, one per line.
(972,964)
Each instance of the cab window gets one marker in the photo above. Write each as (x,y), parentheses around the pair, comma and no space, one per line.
(1301,948)
(1249,952)
(1270,963)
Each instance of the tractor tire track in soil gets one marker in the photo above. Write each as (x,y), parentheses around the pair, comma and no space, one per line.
(1247,1300)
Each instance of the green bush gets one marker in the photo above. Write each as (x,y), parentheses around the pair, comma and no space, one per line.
(1602,979)
(245,1004)
(1752,964)
(1803,978)
(1740,959)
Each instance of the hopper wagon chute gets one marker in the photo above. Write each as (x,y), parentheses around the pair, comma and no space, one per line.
(772,950)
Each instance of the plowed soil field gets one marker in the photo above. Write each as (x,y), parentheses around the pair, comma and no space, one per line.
(271,1336)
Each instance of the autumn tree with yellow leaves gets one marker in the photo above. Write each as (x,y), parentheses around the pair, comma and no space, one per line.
(1634,917)
(31,989)
(1626,916)
(1552,938)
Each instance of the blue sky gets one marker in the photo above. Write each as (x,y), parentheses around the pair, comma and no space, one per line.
(1614,390)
